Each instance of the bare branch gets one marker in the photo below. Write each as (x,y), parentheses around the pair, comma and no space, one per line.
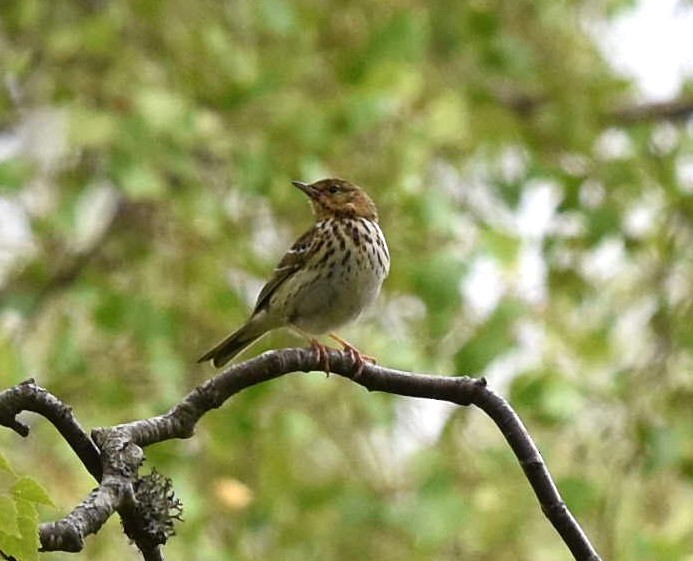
(121,446)
(27,396)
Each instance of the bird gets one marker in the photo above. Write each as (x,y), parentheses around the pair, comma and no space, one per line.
(328,276)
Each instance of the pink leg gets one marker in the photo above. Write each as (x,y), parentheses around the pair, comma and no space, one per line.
(318,347)
(321,351)
(357,356)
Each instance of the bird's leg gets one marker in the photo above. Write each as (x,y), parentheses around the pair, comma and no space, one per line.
(318,347)
(357,356)
(321,351)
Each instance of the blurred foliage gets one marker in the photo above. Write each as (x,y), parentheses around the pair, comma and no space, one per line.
(147,149)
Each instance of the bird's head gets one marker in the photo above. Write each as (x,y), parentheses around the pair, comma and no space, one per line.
(337,198)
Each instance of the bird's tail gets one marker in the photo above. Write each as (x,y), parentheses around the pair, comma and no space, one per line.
(234,344)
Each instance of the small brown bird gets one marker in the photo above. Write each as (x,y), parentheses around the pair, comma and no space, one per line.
(328,276)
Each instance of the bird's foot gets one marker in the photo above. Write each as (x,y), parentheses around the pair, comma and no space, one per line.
(357,356)
(322,352)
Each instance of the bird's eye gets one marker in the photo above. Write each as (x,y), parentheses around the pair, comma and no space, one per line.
(333,189)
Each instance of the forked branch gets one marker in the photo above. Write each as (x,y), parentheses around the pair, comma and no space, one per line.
(113,454)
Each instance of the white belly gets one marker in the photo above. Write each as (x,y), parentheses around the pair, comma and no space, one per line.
(328,303)
(335,293)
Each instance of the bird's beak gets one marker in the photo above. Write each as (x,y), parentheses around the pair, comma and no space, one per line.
(307,188)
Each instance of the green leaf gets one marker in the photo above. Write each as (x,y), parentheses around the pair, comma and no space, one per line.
(5,465)
(27,520)
(8,516)
(24,544)
(29,489)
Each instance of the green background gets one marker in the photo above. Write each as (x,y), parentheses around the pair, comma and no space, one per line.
(158,141)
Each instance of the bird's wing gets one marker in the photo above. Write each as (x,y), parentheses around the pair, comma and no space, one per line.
(293,260)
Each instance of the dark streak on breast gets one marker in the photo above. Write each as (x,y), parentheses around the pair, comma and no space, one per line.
(324,259)
(356,235)
(347,256)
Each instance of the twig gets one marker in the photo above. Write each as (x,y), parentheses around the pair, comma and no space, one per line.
(27,396)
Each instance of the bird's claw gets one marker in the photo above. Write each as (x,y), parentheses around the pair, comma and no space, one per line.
(323,356)
(357,357)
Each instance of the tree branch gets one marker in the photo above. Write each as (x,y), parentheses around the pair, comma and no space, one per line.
(677,109)
(671,110)
(120,446)
(27,396)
